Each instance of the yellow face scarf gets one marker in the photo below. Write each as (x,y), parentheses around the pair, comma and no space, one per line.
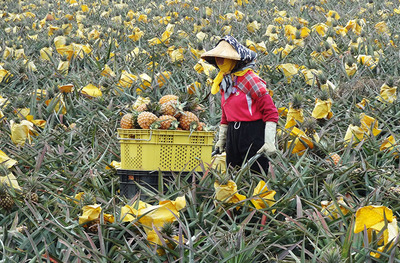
(224,69)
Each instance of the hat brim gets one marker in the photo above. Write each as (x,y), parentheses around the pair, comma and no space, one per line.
(222,50)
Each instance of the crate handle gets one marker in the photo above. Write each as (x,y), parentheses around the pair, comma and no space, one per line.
(130,139)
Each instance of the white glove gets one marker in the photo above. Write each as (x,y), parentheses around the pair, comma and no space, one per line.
(220,145)
(269,139)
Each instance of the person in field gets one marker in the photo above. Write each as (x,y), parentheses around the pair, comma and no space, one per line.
(249,116)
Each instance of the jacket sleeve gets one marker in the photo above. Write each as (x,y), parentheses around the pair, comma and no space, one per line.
(267,107)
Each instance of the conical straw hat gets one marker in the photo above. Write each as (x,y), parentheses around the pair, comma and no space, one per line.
(222,50)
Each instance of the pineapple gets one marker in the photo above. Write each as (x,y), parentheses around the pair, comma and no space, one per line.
(309,126)
(166,122)
(145,119)
(88,198)
(201,126)
(30,188)
(6,200)
(167,98)
(127,121)
(335,158)
(93,226)
(170,108)
(142,108)
(188,121)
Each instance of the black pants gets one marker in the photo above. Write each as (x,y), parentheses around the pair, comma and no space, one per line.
(243,140)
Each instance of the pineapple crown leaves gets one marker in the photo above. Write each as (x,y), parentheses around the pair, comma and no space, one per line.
(88,198)
(309,126)
(297,101)
(356,120)
(324,95)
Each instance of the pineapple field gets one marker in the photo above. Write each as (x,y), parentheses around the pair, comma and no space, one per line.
(76,73)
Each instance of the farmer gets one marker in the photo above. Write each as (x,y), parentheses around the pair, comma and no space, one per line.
(249,116)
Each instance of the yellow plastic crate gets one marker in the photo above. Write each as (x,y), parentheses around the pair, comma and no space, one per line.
(165,150)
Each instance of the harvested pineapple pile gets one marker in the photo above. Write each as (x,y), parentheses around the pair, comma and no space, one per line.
(168,113)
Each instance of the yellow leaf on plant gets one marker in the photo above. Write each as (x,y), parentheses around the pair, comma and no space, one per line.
(354,134)
(369,125)
(388,144)
(22,112)
(352,25)
(10,180)
(253,26)
(328,86)
(350,70)
(163,77)
(201,36)
(4,73)
(368,61)
(283,111)
(292,116)
(166,211)
(321,29)
(63,67)
(131,212)
(92,91)
(114,164)
(5,160)
(228,193)
(89,213)
(330,209)
(177,55)
(38,123)
(60,41)
(219,162)
(262,196)
(107,71)
(382,27)
(202,66)
(387,94)
(372,217)
(20,132)
(310,75)
(126,79)
(84,8)
(322,109)
(66,88)
(362,104)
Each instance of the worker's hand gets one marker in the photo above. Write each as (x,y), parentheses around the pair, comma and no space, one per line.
(269,139)
(267,149)
(220,145)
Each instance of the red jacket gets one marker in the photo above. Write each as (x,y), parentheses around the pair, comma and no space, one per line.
(241,107)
